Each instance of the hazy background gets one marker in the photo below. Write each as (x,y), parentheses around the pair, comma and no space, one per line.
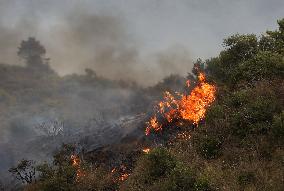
(130,39)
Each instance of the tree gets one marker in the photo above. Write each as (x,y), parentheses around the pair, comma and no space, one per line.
(32,52)
(25,171)
(198,67)
(274,40)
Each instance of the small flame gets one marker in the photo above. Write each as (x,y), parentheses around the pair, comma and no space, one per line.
(153,124)
(187,83)
(146,150)
(190,107)
(183,136)
(123,176)
(75,160)
(122,171)
(76,163)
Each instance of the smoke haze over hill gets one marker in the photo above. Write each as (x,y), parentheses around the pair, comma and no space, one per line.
(128,39)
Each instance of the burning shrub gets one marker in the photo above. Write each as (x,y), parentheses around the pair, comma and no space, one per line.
(190,107)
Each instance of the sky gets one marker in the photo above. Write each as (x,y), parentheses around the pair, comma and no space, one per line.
(141,40)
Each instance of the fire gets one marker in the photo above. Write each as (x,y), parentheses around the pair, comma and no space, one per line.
(190,107)
(188,83)
(146,150)
(75,160)
(154,124)
(183,136)
(123,176)
(76,163)
(122,172)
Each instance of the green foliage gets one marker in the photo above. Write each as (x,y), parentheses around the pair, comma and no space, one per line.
(209,147)
(159,163)
(180,179)
(274,40)
(62,175)
(250,110)
(247,58)
(239,48)
(202,185)
(159,170)
(265,65)
(214,113)
(278,126)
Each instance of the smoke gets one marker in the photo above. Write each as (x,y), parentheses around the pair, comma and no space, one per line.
(80,38)
(87,106)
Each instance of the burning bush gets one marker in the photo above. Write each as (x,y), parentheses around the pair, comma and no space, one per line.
(190,107)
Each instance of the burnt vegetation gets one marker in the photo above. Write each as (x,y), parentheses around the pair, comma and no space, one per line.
(237,146)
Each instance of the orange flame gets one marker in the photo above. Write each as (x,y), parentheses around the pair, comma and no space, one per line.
(183,136)
(190,107)
(146,150)
(113,170)
(153,123)
(76,163)
(123,176)
(122,171)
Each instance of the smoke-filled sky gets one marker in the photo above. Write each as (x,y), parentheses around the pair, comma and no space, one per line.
(141,40)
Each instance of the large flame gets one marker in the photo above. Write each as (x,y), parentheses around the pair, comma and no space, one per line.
(190,107)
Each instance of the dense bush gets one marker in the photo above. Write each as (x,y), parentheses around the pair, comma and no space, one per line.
(209,147)
(159,170)
(278,126)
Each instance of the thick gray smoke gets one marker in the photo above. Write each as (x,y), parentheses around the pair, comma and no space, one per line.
(80,38)
(39,111)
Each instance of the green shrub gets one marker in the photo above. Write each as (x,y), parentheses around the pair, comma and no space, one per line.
(202,185)
(238,99)
(262,109)
(265,65)
(278,126)
(180,179)
(214,113)
(209,147)
(160,163)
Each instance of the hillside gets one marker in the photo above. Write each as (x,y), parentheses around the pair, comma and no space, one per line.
(238,145)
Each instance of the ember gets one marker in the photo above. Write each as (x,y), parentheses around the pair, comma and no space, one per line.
(122,172)
(76,163)
(123,176)
(183,136)
(146,150)
(190,107)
